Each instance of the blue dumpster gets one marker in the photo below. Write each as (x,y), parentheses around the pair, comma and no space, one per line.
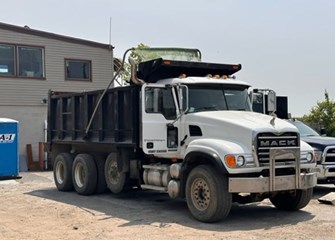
(9,148)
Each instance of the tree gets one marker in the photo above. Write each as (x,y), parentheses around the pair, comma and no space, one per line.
(322,115)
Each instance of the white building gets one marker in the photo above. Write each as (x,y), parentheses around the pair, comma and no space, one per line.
(31,63)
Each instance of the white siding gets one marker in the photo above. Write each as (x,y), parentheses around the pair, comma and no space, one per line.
(30,92)
(20,98)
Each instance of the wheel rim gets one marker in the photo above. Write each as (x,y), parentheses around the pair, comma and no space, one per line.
(113,173)
(200,194)
(79,175)
(60,175)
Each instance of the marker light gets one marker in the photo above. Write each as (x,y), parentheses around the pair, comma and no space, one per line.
(224,76)
(209,75)
(230,161)
(217,76)
(166,62)
(183,75)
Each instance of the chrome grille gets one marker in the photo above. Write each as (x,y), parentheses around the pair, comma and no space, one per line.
(330,155)
(265,141)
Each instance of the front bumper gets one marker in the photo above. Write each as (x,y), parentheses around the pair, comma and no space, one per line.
(273,183)
(262,184)
(325,171)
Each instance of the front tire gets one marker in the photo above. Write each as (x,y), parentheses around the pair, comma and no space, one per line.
(84,174)
(292,201)
(62,171)
(207,194)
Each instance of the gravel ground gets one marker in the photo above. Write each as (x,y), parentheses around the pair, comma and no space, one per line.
(32,208)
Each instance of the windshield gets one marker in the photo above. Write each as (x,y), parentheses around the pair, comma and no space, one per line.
(305,131)
(218,97)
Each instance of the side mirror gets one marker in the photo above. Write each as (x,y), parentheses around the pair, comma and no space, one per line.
(183,98)
(271,101)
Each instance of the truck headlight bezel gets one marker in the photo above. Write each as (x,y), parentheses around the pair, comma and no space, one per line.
(317,155)
(238,160)
(307,157)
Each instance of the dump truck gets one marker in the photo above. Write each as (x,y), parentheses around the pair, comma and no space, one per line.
(181,127)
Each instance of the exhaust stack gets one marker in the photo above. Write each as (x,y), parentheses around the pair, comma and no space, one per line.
(133,75)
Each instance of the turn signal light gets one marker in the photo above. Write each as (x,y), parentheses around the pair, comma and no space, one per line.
(230,161)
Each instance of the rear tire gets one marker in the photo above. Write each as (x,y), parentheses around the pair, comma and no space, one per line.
(101,181)
(116,180)
(62,171)
(84,174)
(207,194)
(291,201)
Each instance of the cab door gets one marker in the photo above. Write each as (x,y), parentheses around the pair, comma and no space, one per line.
(158,109)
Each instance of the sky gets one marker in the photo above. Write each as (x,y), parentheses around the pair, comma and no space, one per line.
(287,45)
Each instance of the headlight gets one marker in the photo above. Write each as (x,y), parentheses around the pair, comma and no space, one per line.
(240,161)
(317,155)
(308,157)
(236,160)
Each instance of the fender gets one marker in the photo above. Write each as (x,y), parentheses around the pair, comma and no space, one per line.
(204,157)
(214,151)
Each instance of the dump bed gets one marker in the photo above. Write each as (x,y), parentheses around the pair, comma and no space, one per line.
(115,122)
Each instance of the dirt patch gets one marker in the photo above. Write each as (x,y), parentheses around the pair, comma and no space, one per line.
(32,208)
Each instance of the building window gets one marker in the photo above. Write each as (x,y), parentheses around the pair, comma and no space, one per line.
(21,61)
(30,62)
(7,60)
(78,70)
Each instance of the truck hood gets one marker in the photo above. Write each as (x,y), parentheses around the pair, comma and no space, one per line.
(319,142)
(236,126)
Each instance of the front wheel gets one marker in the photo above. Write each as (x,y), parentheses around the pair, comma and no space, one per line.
(292,201)
(207,194)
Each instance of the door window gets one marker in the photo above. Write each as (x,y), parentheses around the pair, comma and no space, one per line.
(160,100)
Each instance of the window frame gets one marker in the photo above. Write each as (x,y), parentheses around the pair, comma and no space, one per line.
(17,60)
(160,102)
(89,79)
(14,60)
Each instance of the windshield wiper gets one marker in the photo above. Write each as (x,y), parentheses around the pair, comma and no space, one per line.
(310,135)
(207,108)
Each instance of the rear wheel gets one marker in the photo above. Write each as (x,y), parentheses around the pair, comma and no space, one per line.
(116,180)
(84,174)
(292,201)
(62,169)
(207,194)
(101,181)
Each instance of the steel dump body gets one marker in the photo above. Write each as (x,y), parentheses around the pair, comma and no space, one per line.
(115,122)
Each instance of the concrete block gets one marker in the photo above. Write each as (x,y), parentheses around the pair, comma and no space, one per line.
(328,198)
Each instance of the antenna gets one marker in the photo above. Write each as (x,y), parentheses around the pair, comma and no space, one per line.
(110,32)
